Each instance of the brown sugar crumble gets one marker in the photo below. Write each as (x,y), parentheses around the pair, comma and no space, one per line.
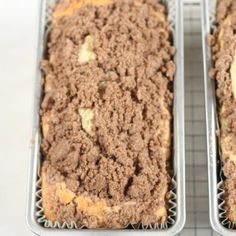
(223,47)
(106,113)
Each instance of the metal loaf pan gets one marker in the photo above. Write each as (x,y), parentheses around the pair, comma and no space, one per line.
(174,8)
(218,218)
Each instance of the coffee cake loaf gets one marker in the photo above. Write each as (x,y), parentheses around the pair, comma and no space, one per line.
(223,45)
(106,113)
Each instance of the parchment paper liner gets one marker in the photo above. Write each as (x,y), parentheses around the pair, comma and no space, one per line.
(171,217)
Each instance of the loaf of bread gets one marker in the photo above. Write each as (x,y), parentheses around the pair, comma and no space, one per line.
(106,113)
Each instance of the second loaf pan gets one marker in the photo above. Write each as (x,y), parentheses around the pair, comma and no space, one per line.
(35,218)
(218,217)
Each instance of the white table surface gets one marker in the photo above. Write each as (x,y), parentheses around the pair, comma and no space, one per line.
(18,34)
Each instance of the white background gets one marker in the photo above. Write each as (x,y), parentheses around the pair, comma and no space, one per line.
(18,42)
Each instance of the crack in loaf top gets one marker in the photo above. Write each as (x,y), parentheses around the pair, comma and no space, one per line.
(106,113)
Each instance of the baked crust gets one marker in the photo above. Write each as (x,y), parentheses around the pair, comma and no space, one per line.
(89,211)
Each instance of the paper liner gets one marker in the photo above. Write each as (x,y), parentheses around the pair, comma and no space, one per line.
(223,218)
(172,205)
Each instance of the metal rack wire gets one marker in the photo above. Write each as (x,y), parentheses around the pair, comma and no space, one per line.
(197,220)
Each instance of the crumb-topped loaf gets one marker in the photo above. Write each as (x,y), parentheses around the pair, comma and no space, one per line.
(223,45)
(106,113)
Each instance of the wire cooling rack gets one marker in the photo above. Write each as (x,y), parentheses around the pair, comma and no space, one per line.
(197,220)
